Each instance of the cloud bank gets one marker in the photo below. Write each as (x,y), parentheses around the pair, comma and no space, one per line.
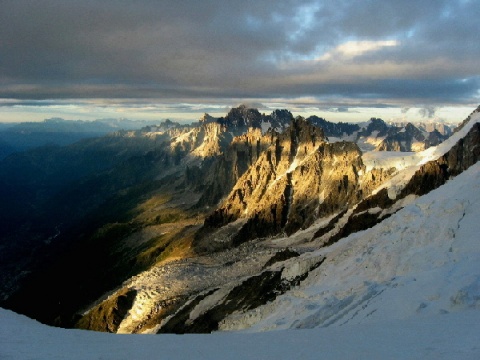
(386,53)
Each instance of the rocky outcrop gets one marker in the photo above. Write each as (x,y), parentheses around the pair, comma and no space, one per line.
(465,153)
(108,315)
(460,157)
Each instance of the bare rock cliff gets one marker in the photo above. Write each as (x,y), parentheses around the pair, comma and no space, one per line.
(297,179)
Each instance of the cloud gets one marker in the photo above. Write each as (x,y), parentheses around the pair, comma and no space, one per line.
(352,49)
(427,112)
(397,52)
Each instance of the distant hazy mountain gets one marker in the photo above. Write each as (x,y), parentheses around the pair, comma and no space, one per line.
(378,135)
(57,131)
(443,128)
(410,138)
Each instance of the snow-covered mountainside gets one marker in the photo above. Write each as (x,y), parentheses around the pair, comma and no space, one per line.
(421,261)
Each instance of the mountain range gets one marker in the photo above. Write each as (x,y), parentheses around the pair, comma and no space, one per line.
(244,221)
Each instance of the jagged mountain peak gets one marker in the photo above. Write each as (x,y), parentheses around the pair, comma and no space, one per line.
(207,118)
(332,129)
(376,125)
(375,134)
(278,120)
(243,117)
(281,115)
(296,179)
(240,118)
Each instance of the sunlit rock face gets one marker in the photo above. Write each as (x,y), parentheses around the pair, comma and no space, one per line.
(217,175)
(297,179)
(208,139)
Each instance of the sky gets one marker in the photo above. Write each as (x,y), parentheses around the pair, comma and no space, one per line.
(148,59)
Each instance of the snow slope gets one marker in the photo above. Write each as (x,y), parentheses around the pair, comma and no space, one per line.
(422,261)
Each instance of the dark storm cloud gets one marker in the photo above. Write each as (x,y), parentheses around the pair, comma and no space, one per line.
(58,49)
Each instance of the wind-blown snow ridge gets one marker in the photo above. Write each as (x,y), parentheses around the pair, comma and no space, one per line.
(422,261)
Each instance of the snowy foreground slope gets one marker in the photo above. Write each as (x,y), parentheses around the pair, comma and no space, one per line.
(422,261)
(407,288)
(448,336)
